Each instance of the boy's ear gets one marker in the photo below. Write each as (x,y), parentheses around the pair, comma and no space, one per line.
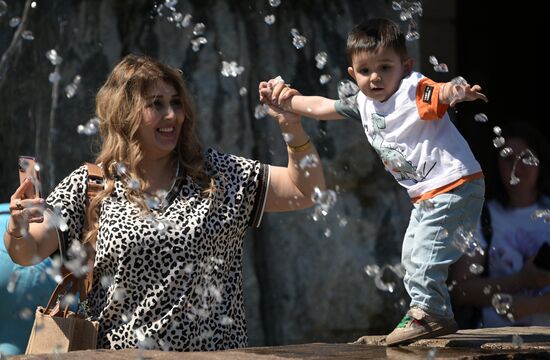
(408,64)
(351,72)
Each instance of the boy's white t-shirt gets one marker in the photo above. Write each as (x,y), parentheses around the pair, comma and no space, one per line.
(414,136)
(516,236)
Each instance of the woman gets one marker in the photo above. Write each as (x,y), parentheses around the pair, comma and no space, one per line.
(169,224)
(511,239)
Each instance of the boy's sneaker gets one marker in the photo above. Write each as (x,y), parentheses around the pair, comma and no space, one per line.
(418,324)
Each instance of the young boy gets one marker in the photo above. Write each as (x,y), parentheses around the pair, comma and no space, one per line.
(404,117)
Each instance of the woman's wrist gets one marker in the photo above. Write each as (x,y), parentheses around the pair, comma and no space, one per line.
(295,137)
(299,148)
(12,234)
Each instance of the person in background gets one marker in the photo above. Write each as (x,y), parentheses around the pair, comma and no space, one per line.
(168,226)
(404,116)
(501,285)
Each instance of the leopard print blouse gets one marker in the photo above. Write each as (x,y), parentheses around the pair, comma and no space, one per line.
(171,280)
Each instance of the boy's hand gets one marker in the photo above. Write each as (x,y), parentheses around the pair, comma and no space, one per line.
(467,93)
(454,93)
(265,92)
(276,92)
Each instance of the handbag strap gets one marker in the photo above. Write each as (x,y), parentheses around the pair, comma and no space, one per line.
(94,184)
(61,289)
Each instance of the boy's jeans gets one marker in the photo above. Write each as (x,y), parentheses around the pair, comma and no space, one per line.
(428,248)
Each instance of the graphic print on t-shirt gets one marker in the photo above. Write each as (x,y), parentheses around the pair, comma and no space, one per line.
(392,157)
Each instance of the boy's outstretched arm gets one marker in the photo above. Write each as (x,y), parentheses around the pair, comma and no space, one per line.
(277,93)
(452,93)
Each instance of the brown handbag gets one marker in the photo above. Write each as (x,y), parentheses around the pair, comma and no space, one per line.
(56,329)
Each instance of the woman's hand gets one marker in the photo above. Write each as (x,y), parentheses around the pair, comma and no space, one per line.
(523,306)
(284,118)
(533,276)
(28,239)
(24,210)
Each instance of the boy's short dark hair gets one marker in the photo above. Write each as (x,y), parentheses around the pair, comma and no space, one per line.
(374,34)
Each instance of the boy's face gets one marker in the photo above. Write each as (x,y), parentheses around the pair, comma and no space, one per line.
(379,73)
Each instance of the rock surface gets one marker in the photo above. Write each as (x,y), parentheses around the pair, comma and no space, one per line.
(466,344)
